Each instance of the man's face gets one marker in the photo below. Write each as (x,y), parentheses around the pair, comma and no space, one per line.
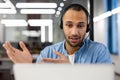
(74,27)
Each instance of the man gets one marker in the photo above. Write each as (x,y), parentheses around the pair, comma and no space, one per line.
(74,49)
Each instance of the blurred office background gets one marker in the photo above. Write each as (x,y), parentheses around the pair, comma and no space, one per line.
(38,26)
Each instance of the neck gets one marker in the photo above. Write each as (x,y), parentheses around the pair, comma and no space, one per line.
(71,50)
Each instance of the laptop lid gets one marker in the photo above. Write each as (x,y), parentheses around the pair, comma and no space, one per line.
(63,72)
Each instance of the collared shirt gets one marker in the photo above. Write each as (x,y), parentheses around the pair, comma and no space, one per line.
(89,52)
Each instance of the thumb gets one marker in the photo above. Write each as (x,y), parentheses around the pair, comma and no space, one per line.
(58,53)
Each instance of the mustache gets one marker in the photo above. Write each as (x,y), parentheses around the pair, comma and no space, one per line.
(74,36)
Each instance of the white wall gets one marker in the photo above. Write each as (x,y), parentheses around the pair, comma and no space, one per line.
(99,32)
(99,27)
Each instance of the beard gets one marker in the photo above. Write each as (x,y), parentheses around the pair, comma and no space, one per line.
(76,44)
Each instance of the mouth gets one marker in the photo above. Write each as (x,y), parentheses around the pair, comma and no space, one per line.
(74,39)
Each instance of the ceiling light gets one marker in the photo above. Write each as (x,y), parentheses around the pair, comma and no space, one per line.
(61,4)
(37,11)
(4,5)
(116,10)
(8,11)
(40,22)
(59,8)
(103,16)
(43,34)
(14,22)
(36,5)
(43,23)
(7,4)
(31,33)
(58,13)
(106,14)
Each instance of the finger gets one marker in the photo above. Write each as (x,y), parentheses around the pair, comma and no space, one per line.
(51,60)
(59,54)
(8,46)
(9,52)
(9,49)
(22,45)
(4,45)
(13,50)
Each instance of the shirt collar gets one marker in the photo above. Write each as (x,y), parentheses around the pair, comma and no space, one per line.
(82,45)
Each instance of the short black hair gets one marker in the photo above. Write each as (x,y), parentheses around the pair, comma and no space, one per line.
(76,7)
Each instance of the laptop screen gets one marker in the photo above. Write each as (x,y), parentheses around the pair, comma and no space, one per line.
(63,72)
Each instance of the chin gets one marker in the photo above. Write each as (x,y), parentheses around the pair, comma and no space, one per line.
(74,45)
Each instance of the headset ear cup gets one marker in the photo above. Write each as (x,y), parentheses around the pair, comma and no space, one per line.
(61,25)
(88,28)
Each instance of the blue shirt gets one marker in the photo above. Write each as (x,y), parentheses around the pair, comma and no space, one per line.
(89,52)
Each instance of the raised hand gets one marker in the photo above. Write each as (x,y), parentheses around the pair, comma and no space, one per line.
(16,55)
(61,59)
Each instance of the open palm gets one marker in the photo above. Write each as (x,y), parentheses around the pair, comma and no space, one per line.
(16,55)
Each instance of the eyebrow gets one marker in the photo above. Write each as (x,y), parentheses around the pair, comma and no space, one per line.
(81,22)
(78,22)
(68,21)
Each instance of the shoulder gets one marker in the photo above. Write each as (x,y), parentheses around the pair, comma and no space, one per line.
(100,51)
(96,47)
(95,44)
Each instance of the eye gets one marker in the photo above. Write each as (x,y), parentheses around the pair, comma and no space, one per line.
(69,25)
(81,25)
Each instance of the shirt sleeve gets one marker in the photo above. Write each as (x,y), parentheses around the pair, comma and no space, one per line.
(42,54)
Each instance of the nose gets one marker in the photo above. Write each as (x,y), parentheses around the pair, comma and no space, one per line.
(74,31)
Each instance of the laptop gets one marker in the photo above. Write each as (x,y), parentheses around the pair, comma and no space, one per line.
(63,72)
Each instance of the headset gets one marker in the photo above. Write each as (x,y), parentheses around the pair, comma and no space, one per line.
(76,7)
